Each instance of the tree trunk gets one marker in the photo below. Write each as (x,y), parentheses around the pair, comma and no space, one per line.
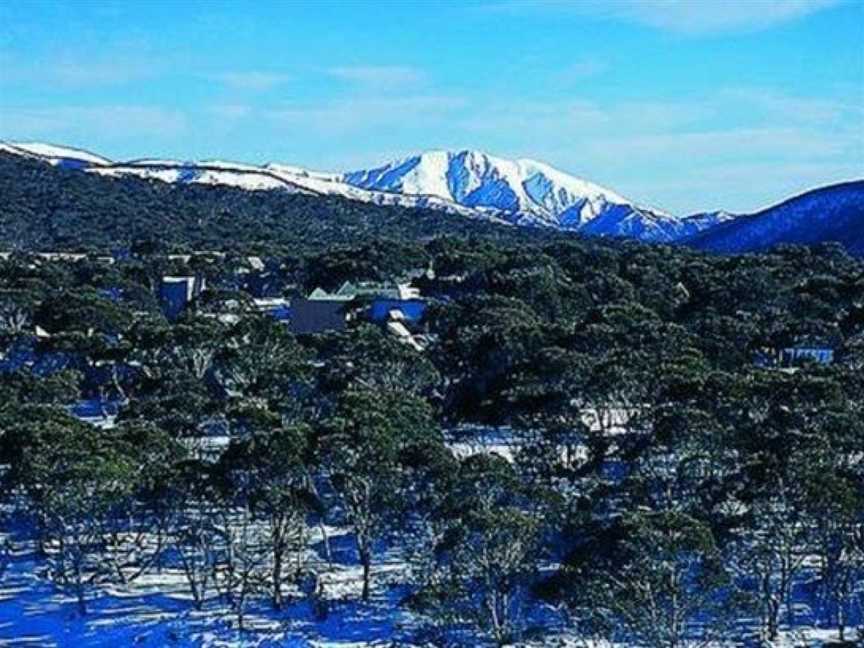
(326,540)
(497,633)
(159,548)
(277,580)
(841,620)
(82,603)
(773,619)
(310,482)
(366,560)
(241,607)
(771,607)
(79,587)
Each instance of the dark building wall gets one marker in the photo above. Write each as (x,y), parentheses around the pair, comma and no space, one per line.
(174,296)
(317,316)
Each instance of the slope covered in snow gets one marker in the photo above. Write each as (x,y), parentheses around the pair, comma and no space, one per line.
(470,183)
(56,155)
(242,176)
(695,223)
(524,192)
(528,190)
(270,177)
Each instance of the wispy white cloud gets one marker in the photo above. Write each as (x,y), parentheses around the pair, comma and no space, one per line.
(697,17)
(359,114)
(728,145)
(692,17)
(120,121)
(78,73)
(757,109)
(577,118)
(230,112)
(72,72)
(113,59)
(378,75)
(579,70)
(255,80)
(775,105)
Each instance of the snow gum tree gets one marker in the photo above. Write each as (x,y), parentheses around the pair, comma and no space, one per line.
(485,558)
(363,445)
(833,498)
(654,578)
(268,476)
(197,532)
(136,535)
(78,478)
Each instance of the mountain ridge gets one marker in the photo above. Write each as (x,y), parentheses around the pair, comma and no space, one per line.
(831,213)
(521,192)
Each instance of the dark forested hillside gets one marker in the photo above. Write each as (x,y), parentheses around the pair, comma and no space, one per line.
(44,207)
(47,207)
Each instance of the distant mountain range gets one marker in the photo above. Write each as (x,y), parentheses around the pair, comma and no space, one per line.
(519,192)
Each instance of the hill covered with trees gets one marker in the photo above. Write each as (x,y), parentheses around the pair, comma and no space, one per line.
(51,208)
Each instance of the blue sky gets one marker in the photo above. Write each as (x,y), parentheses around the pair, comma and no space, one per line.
(679,105)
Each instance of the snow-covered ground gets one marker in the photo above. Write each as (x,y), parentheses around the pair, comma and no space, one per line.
(52,152)
(156,610)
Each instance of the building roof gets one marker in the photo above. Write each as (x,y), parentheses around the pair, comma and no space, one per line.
(319,294)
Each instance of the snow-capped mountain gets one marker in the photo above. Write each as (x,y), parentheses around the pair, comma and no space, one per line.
(470,183)
(833,213)
(531,192)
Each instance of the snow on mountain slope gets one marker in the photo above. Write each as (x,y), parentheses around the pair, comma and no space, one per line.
(179,174)
(624,221)
(273,176)
(56,155)
(296,171)
(469,183)
(649,226)
(692,225)
(531,191)
(833,213)
(524,192)
(332,184)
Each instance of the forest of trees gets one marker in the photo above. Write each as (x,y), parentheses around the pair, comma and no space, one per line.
(664,489)
(723,492)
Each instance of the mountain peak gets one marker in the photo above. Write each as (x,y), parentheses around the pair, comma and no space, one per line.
(531,191)
(468,182)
